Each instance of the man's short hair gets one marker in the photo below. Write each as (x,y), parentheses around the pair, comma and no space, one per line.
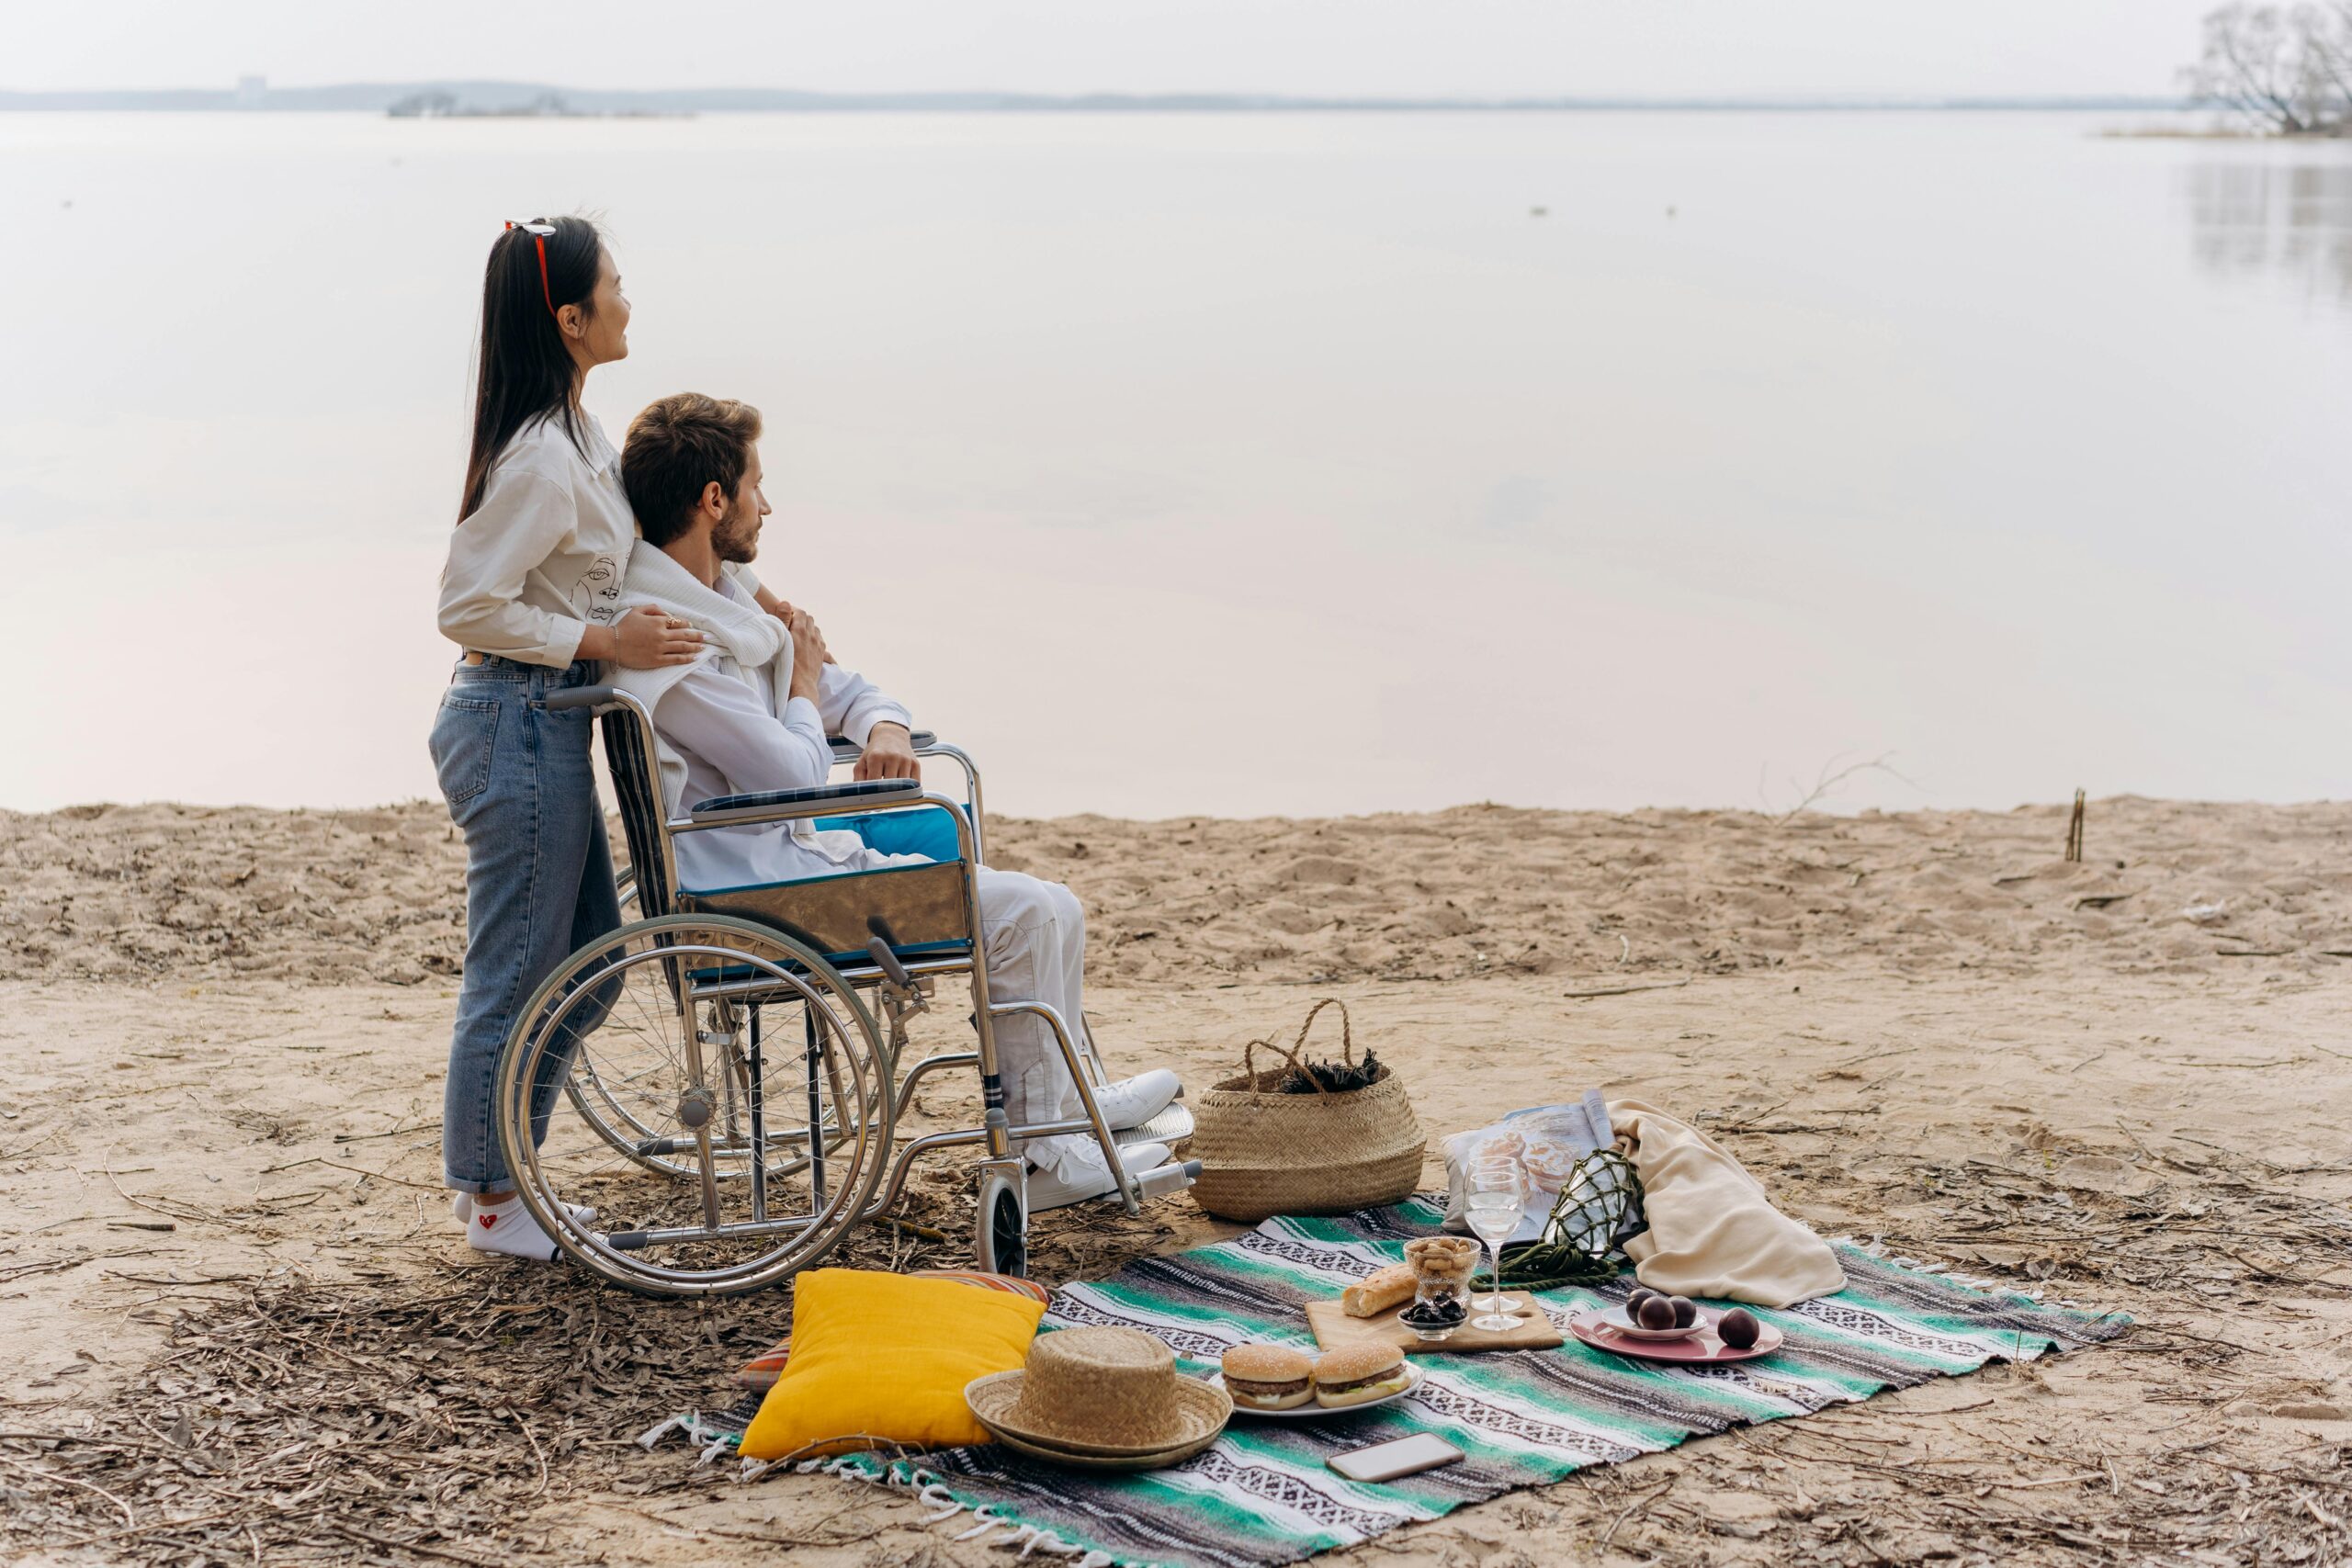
(677,445)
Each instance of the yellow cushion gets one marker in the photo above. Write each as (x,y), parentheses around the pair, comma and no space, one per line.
(882,1358)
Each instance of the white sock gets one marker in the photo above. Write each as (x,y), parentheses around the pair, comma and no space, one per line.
(508,1228)
(461,1209)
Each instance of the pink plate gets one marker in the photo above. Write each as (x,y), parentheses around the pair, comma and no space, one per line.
(1699,1348)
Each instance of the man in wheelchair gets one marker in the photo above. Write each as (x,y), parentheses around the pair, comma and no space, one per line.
(752,713)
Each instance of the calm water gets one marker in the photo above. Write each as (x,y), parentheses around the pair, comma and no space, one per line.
(1238,464)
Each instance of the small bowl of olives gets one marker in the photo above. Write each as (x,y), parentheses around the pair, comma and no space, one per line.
(1652,1314)
(1436,1310)
(1434,1320)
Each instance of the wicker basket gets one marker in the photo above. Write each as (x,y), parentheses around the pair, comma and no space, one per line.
(1263,1152)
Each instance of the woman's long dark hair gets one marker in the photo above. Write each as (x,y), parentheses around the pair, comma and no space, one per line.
(526,370)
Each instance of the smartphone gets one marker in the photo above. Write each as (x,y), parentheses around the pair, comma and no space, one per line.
(1388,1461)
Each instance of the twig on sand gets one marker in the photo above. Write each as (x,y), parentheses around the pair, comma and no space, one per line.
(49,1266)
(1643,1501)
(536,1453)
(1826,784)
(808,1536)
(355,1170)
(194,1213)
(62,1124)
(387,1133)
(87,1439)
(160,1526)
(371,1538)
(1626,990)
(2088,1475)
(127,1516)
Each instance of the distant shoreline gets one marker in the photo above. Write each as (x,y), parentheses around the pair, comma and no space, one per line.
(478,98)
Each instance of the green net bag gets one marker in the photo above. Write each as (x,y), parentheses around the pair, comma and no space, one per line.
(1599,1206)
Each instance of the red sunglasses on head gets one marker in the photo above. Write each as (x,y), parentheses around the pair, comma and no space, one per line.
(539,233)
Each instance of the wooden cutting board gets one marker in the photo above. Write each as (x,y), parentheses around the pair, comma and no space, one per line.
(1333,1328)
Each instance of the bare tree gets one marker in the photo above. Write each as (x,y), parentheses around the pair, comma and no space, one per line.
(2286,70)
(2327,55)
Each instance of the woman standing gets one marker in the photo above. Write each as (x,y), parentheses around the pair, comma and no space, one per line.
(530,593)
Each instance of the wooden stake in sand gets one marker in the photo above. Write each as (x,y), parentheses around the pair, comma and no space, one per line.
(2074,832)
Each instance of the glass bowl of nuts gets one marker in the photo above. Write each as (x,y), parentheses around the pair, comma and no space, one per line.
(1442,1270)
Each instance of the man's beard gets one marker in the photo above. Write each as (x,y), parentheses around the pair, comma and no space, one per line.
(736,536)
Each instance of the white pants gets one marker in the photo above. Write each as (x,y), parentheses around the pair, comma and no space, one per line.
(1036,937)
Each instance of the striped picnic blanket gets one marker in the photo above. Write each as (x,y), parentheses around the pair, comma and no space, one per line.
(1264,1494)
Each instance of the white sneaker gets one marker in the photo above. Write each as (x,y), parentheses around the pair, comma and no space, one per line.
(1070,1171)
(1133,1101)
(461,1209)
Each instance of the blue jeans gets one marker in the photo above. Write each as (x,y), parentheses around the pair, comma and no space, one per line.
(538,884)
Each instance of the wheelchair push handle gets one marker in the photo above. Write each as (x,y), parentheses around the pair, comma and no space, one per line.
(573,697)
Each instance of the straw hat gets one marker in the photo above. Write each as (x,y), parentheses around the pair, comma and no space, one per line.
(1159,1461)
(1098,1395)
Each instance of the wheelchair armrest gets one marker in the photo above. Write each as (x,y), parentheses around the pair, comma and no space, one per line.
(848,750)
(733,808)
(579,697)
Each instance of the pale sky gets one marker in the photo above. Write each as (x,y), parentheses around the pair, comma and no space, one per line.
(1633,47)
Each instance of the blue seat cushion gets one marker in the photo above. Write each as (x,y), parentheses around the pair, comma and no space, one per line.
(929,832)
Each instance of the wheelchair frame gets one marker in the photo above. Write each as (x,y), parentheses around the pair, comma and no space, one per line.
(901,984)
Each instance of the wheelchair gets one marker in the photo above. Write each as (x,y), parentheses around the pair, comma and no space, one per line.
(737,1099)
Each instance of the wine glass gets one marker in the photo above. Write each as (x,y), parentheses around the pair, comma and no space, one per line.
(1497,1201)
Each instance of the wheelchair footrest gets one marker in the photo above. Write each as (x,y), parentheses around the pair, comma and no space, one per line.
(1172,1126)
(1174,1176)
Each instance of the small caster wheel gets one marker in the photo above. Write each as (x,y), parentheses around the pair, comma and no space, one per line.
(1003,1225)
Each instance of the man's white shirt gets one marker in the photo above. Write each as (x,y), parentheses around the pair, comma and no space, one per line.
(718,719)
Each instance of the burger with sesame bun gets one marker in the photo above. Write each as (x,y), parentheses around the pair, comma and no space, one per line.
(1268,1376)
(1358,1374)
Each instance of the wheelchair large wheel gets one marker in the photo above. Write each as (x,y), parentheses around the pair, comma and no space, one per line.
(742,1105)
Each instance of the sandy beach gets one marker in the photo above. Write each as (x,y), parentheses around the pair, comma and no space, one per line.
(231,1294)
(1792,436)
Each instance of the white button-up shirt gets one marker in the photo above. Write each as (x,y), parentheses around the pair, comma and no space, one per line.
(717,720)
(543,555)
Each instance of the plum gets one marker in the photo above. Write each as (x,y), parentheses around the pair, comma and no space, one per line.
(1686,1311)
(1739,1328)
(1656,1311)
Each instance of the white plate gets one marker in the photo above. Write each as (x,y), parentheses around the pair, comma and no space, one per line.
(1311,1411)
(1616,1318)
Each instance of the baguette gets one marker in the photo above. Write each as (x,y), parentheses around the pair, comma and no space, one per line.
(1376,1294)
